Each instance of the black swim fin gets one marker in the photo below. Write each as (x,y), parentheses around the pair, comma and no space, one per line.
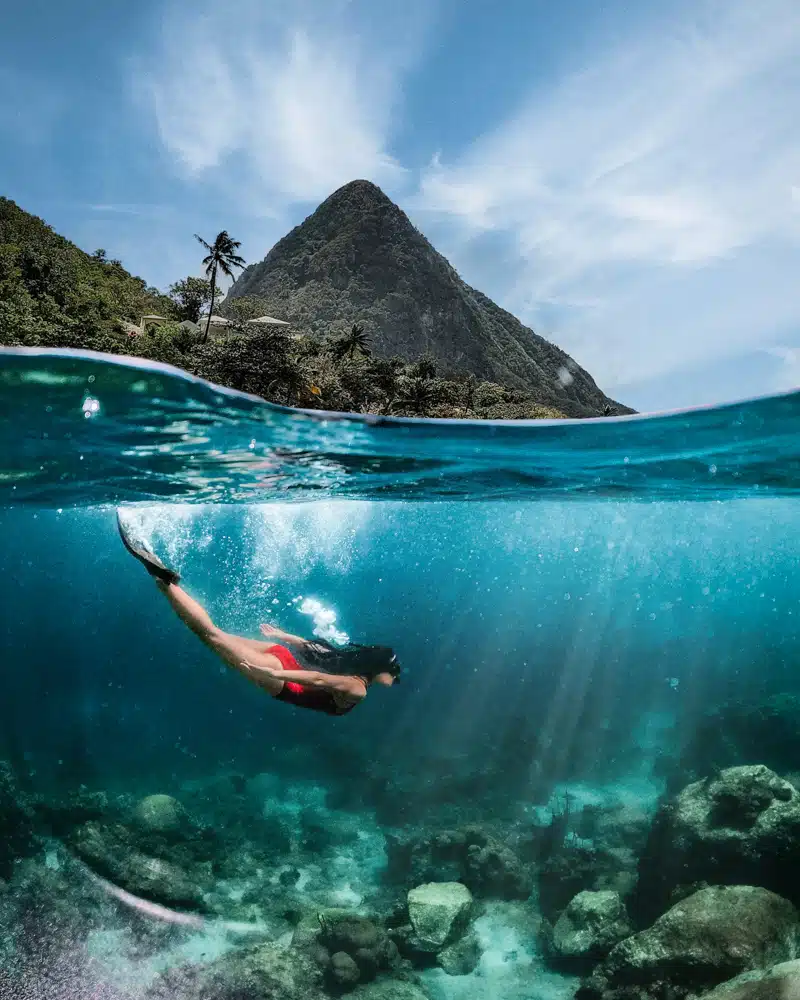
(151,563)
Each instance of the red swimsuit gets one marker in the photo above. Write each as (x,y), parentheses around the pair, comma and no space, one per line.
(295,694)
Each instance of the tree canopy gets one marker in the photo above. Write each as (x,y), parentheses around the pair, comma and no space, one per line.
(190,296)
(52,294)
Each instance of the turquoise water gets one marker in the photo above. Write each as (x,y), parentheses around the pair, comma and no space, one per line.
(81,429)
(591,616)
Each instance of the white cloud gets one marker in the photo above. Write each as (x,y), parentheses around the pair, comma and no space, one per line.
(282,101)
(650,198)
(645,204)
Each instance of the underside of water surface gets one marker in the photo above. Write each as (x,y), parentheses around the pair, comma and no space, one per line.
(585,784)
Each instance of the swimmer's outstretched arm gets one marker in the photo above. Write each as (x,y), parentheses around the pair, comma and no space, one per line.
(351,686)
(272,632)
(276,635)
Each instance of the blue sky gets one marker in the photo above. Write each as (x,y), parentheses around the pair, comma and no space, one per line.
(623,177)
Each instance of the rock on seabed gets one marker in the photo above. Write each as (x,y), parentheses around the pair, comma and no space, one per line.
(439,911)
(715,934)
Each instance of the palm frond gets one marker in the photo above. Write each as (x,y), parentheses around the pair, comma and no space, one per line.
(221,255)
(228,241)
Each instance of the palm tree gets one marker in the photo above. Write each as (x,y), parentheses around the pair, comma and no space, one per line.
(415,394)
(356,340)
(221,256)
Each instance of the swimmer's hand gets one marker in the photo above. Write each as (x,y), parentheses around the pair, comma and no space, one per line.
(261,668)
(273,632)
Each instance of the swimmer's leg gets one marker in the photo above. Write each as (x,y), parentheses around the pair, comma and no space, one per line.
(232,649)
(151,562)
(257,645)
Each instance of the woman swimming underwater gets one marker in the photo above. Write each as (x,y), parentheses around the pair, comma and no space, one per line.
(341,680)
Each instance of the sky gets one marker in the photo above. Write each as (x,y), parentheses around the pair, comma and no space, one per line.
(623,177)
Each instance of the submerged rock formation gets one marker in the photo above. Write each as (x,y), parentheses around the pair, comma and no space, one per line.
(781,982)
(461,957)
(572,870)
(109,851)
(468,854)
(353,949)
(740,827)
(263,972)
(437,928)
(592,924)
(704,940)
(390,989)
(160,814)
(439,912)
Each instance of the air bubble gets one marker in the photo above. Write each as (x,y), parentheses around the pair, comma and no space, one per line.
(91,407)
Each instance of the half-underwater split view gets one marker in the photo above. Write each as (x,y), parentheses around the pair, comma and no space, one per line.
(400,583)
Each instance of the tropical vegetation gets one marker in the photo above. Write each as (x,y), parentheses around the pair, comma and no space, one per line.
(222,256)
(52,294)
(190,296)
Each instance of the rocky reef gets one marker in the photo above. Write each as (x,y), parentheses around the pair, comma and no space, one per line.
(739,827)
(713,935)
(271,887)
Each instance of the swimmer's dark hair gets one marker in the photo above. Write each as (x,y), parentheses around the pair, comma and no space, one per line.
(353,659)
